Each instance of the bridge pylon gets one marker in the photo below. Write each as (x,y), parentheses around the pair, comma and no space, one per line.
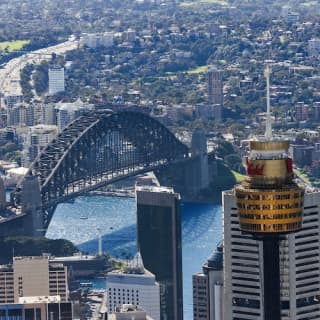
(31,204)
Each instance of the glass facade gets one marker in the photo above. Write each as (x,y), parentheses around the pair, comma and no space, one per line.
(159,241)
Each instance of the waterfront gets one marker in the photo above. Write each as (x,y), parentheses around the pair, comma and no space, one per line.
(114,217)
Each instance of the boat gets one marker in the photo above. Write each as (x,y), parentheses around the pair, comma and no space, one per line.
(86,284)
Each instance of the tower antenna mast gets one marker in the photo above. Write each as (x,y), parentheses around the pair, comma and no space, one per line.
(268,133)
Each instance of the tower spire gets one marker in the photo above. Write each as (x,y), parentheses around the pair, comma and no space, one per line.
(268,133)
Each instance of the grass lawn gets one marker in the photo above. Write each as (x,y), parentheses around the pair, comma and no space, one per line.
(201,69)
(13,45)
(309,3)
(238,176)
(302,175)
(194,3)
(221,2)
(187,4)
(198,70)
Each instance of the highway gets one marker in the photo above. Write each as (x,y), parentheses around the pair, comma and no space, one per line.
(10,73)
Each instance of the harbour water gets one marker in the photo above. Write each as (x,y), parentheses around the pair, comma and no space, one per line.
(114,218)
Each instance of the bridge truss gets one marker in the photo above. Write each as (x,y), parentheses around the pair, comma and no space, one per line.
(98,149)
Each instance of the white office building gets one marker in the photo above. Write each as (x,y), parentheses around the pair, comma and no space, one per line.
(135,285)
(94,40)
(56,80)
(129,312)
(207,288)
(299,266)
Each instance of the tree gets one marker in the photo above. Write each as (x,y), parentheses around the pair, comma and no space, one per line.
(233,161)
(25,79)
(40,78)
(27,246)
(224,148)
(202,50)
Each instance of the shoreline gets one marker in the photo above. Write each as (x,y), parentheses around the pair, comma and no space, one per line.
(131,194)
(120,194)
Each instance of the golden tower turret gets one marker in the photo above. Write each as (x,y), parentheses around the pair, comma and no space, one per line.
(269,200)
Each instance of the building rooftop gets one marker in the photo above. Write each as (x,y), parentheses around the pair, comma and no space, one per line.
(216,259)
(40,299)
(21,171)
(155,189)
(76,257)
(44,257)
(129,312)
(125,277)
(5,268)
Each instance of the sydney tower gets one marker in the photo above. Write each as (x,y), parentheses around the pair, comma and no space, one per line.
(270,204)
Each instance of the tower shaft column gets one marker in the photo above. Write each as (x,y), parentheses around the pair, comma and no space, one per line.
(271,274)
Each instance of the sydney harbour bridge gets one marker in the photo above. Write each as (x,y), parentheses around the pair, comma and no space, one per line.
(94,150)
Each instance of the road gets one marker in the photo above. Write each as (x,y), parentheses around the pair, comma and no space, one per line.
(10,74)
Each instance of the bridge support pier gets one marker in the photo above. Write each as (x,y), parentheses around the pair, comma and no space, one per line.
(31,204)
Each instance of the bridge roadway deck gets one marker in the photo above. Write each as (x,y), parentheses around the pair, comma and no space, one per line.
(73,191)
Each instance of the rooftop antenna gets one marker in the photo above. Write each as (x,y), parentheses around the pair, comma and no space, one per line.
(268,133)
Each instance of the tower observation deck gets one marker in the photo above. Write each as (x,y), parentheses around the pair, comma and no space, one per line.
(270,204)
(269,200)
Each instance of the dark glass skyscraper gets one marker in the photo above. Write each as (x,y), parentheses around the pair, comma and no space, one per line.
(159,241)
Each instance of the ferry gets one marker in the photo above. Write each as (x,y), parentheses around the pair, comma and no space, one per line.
(86,284)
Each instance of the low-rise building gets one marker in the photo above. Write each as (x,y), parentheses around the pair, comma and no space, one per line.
(40,307)
(32,277)
(83,265)
(94,40)
(37,138)
(129,312)
(302,154)
(68,111)
(135,285)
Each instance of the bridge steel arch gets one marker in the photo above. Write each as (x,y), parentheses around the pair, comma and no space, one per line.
(100,148)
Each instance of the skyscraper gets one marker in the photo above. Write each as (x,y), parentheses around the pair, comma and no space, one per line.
(215,91)
(215,86)
(269,249)
(208,289)
(159,241)
(56,80)
(299,266)
(269,204)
